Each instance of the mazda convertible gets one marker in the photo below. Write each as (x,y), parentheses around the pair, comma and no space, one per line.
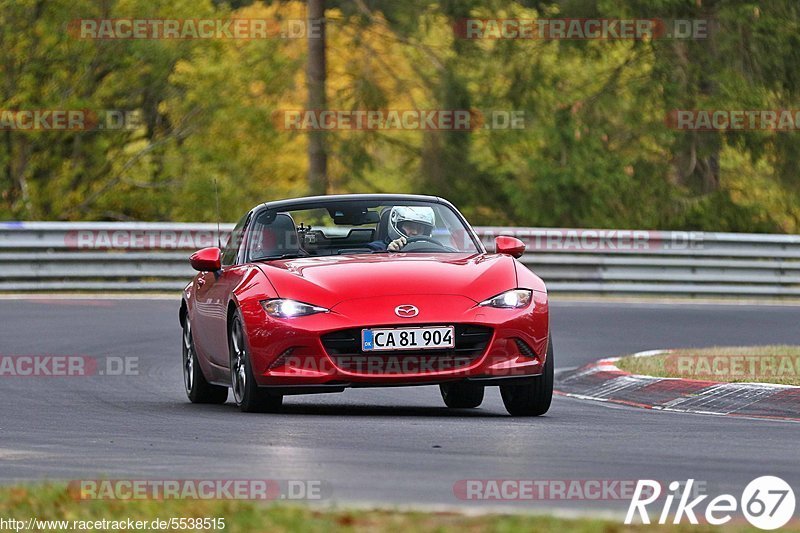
(318,294)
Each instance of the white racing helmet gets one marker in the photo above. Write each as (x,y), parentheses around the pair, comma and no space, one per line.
(403,213)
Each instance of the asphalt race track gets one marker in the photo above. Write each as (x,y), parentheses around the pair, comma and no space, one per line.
(385,446)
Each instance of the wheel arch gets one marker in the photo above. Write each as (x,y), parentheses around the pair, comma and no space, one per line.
(183,313)
(230,312)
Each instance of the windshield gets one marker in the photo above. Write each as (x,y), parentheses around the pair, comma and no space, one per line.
(358,228)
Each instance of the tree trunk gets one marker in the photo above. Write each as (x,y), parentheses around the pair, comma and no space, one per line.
(315,72)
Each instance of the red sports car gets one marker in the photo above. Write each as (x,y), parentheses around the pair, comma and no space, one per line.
(322,293)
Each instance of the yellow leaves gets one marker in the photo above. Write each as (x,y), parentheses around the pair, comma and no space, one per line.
(228,92)
(373,56)
(257,88)
(183,67)
(750,185)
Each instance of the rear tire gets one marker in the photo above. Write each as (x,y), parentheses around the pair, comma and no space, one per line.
(249,397)
(461,395)
(533,398)
(198,389)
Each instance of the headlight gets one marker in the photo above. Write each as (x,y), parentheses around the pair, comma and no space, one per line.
(283,308)
(514,298)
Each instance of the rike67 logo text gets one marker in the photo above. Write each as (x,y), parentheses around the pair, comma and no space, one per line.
(767,502)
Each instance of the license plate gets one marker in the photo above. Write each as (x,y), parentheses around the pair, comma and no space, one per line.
(425,338)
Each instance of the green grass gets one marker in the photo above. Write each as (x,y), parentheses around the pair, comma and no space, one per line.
(691,364)
(53,502)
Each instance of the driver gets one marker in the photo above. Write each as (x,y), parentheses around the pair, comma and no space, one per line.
(407,222)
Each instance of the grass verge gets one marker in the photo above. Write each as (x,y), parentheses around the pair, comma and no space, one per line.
(54,503)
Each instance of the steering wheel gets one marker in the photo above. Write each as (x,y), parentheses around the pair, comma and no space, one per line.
(423,240)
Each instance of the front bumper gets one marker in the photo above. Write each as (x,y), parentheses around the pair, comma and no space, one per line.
(322,351)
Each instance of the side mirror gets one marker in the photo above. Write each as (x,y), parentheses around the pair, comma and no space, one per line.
(509,245)
(207,259)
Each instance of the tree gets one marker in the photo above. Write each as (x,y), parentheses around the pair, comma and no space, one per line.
(317,101)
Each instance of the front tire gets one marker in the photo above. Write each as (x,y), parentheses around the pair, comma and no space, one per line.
(533,398)
(249,397)
(461,395)
(198,389)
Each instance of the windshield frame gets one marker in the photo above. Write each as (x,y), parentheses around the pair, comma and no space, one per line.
(368,200)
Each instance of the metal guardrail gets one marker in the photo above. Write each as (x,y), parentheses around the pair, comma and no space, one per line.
(102,256)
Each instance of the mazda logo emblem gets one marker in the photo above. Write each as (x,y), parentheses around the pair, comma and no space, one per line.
(406,311)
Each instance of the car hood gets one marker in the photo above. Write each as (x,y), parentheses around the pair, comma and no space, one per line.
(329,280)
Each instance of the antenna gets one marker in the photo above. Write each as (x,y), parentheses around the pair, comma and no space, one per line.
(216,194)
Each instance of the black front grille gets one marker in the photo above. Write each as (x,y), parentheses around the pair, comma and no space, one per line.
(344,348)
